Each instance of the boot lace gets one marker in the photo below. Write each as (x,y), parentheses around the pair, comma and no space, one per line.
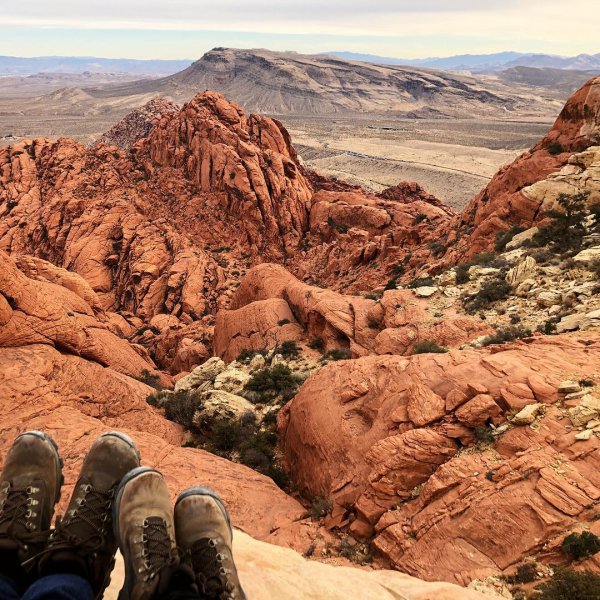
(84,526)
(157,550)
(212,576)
(17,510)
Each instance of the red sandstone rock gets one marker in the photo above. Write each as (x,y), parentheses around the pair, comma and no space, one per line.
(462,524)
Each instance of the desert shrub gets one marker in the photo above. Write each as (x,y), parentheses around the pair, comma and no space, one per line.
(245,356)
(555,148)
(586,382)
(428,346)
(514,319)
(483,259)
(580,545)
(594,267)
(420,282)
(437,249)
(570,585)
(507,334)
(181,407)
(373,324)
(462,273)
(282,322)
(504,237)
(320,507)
(391,284)
(372,296)
(151,379)
(337,354)
(398,270)
(420,217)
(288,349)
(270,382)
(490,292)
(549,326)
(526,573)
(566,230)
(317,344)
(483,434)
(226,435)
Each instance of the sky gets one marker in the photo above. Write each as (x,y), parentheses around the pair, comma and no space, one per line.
(399,28)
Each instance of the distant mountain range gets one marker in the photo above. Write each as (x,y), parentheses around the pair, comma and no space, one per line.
(14,65)
(481,63)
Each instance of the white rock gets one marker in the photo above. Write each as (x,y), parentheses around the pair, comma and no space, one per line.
(525,287)
(231,380)
(256,363)
(221,406)
(595,314)
(587,256)
(425,291)
(448,278)
(584,435)
(568,387)
(521,238)
(585,411)
(548,298)
(206,372)
(572,323)
(527,415)
(554,310)
(524,270)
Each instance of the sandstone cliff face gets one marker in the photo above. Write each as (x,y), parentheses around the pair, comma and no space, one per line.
(392,441)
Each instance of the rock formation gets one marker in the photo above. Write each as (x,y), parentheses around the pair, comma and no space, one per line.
(394,442)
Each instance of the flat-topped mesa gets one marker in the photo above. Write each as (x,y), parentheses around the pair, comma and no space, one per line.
(506,200)
(248,166)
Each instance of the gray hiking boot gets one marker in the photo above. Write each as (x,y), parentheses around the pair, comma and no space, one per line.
(204,536)
(143,521)
(83,541)
(29,488)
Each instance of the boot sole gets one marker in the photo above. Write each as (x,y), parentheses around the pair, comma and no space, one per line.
(205,491)
(59,461)
(125,592)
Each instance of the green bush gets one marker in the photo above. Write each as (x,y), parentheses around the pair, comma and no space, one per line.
(526,573)
(462,273)
(428,346)
(270,382)
(566,230)
(555,148)
(580,545)
(282,322)
(320,507)
(181,408)
(570,585)
(151,379)
(337,354)
(420,217)
(288,350)
(317,344)
(490,292)
(504,237)
(507,334)
(483,434)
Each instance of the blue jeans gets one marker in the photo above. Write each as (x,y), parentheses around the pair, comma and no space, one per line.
(52,587)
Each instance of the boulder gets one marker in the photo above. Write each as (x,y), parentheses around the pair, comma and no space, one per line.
(522,238)
(218,406)
(527,415)
(231,380)
(206,372)
(523,271)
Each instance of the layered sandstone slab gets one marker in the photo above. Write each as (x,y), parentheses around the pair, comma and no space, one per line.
(393,441)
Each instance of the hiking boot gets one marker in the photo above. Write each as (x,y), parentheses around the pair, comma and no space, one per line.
(143,521)
(29,488)
(83,542)
(204,536)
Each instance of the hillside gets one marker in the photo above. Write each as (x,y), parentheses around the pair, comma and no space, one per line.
(285,82)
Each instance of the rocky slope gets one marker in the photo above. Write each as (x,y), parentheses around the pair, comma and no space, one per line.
(208,237)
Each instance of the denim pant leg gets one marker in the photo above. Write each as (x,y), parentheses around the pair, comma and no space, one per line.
(62,586)
(8,590)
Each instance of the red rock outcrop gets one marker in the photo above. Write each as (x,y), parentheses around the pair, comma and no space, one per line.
(138,124)
(272,306)
(502,202)
(392,441)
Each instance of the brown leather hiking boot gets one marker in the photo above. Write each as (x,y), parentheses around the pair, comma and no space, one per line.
(204,535)
(83,541)
(143,521)
(29,488)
